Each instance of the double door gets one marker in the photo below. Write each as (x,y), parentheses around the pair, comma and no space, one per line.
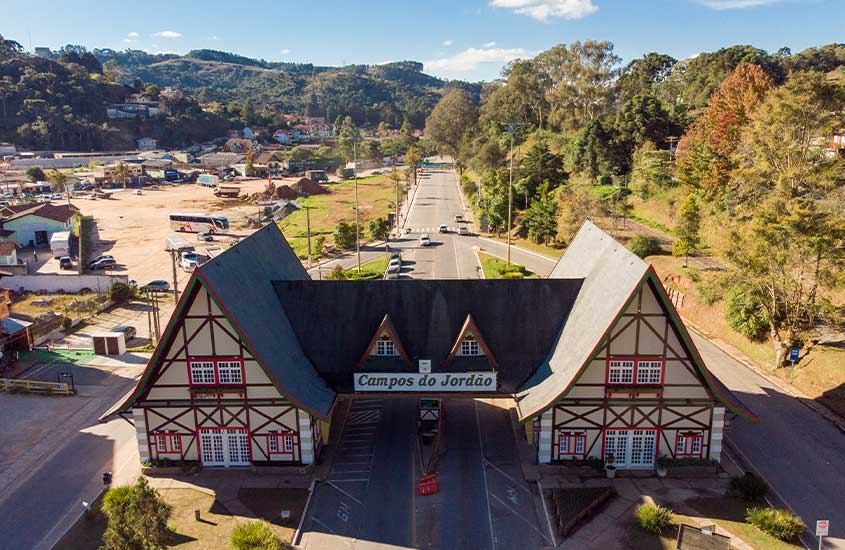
(229,447)
(631,448)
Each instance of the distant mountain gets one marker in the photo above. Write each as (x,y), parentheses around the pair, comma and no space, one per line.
(370,94)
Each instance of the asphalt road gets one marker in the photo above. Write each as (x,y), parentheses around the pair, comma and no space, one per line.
(797,451)
(45,496)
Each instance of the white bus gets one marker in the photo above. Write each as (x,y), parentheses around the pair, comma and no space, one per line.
(199,223)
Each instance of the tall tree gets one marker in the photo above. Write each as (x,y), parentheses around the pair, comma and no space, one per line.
(451,118)
(121,173)
(538,166)
(650,170)
(688,238)
(788,254)
(784,147)
(137,518)
(540,219)
(58,180)
(641,76)
(705,153)
(580,80)
(348,139)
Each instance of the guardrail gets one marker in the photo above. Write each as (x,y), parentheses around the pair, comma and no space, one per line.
(35,386)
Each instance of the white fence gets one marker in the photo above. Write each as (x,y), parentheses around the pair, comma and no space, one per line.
(49,282)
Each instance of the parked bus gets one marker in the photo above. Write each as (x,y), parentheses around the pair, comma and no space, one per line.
(199,223)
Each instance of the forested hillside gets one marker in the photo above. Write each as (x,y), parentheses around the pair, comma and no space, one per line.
(61,104)
(728,155)
(391,93)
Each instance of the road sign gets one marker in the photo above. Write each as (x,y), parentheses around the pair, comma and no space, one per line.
(822,527)
(793,354)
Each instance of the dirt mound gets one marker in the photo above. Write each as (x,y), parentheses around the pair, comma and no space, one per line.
(286,193)
(307,187)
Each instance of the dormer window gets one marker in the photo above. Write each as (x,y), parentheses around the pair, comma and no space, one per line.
(470,346)
(385,348)
(635,371)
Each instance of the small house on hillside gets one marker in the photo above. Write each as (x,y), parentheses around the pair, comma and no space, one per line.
(147,144)
(34,225)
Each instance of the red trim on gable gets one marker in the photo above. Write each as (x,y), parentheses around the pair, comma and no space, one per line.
(254,351)
(686,337)
(384,325)
(469,323)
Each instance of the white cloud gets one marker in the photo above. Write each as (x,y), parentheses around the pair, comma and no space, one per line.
(736,4)
(543,10)
(447,43)
(168,34)
(133,35)
(285,51)
(469,59)
(215,37)
(488,44)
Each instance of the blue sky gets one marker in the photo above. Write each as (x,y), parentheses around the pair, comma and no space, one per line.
(465,39)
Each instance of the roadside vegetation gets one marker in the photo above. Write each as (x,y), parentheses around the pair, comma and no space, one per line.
(741,216)
(497,268)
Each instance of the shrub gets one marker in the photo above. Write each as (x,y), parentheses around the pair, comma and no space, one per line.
(344,235)
(317,249)
(121,292)
(644,246)
(652,518)
(745,315)
(66,322)
(336,274)
(379,229)
(137,517)
(468,186)
(708,293)
(256,536)
(748,487)
(781,524)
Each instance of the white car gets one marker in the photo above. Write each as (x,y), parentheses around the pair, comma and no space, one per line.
(189,261)
(425,240)
(462,230)
(395,265)
(443,228)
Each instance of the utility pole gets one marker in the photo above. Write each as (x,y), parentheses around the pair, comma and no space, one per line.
(175,281)
(308,231)
(149,316)
(396,182)
(357,228)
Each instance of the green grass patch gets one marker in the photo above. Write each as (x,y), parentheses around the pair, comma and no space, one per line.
(372,270)
(730,514)
(603,192)
(496,268)
(68,357)
(651,223)
(376,197)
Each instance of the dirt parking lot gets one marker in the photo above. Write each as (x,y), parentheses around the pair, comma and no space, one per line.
(133,228)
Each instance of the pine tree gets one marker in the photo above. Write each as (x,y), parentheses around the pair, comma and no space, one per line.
(688,239)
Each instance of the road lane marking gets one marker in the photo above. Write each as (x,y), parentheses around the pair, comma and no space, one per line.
(515,482)
(519,248)
(484,476)
(517,514)
(344,492)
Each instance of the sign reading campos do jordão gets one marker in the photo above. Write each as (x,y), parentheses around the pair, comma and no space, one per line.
(426,382)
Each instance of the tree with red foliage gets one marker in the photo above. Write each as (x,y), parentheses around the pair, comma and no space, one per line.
(704,156)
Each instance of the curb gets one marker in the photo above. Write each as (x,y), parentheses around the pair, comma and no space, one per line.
(297,535)
(824,412)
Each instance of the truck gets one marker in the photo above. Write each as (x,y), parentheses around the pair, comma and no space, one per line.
(60,244)
(176,243)
(230,191)
(316,175)
(208,180)
(345,173)
(168,174)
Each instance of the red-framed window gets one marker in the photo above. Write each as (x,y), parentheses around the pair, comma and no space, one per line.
(216,372)
(635,371)
(572,444)
(280,443)
(689,444)
(167,443)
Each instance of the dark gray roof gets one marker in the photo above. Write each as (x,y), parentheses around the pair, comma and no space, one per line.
(242,279)
(517,319)
(611,273)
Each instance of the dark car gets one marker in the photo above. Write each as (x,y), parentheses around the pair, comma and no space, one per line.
(100,258)
(159,285)
(103,263)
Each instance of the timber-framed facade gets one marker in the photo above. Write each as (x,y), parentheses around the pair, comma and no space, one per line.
(595,358)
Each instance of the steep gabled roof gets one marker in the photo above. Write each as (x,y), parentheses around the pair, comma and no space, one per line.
(240,281)
(520,320)
(612,276)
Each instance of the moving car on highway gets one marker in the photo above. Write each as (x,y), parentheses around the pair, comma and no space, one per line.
(425,240)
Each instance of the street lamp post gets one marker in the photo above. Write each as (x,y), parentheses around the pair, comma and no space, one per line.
(357,227)
(512,126)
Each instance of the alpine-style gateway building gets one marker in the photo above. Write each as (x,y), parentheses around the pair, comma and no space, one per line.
(595,357)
